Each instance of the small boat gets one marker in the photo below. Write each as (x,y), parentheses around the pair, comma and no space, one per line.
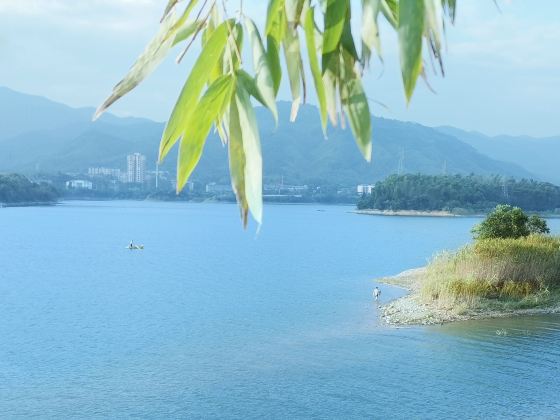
(131,247)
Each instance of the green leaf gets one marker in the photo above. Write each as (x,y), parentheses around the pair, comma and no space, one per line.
(390,9)
(410,30)
(370,29)
(273,56)
(250,85)
(252,149)
(232,54)
(355,105)
(309,26)
(209,109)
(434,21)
(337,10)
(170,5)
(153,54)
(331,65)
(186,31)
(274,19)
(237,161)
(188,98)
(293,11)
(294,65)
(263,74)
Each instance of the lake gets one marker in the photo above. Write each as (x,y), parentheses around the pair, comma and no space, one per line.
(210,321)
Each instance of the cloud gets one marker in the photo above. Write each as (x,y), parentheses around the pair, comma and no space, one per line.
(507,38)
(98,15)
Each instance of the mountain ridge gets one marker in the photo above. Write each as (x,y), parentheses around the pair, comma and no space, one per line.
(60,138)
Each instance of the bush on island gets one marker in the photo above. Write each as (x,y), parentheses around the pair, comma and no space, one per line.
(506,221)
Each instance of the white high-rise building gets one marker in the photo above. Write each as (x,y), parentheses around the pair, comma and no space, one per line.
(136,168)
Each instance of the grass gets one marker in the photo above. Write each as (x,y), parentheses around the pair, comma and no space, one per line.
(496,274)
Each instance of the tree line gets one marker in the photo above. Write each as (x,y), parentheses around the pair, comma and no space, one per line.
(457,192)
(17,189)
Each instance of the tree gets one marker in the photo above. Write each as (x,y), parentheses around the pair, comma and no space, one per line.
(219,90)
(509,222)
(537,225)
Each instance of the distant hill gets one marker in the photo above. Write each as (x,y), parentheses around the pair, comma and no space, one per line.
(38,135)
(538,155)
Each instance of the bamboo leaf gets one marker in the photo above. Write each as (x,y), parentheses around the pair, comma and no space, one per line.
(293,11)
(188,98)
(252,149)
(170,5)
(335,16)
(390,9)
(263,74)
(370,29)
(153,54)
(209,109)
(309,26)
(355,105)
(294,65)
(249,85)
(274,18)
(273,56)
(434,21)
(237,161)
(185,32)
(410,31)
(331,70)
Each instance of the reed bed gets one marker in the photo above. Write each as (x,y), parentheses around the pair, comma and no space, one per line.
(512,273)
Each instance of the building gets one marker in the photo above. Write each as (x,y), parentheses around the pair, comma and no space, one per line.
(79,184)
(365,188)
(214,188)
(101,171)
(136,168)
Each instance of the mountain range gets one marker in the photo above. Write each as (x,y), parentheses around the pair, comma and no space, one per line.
(39,135)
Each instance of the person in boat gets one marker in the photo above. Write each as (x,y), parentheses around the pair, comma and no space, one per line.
(376,293)
(131,244)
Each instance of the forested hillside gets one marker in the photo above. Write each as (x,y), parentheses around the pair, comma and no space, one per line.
(472,193)
(16,189)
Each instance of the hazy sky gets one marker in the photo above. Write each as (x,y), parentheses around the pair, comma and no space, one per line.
(502,66)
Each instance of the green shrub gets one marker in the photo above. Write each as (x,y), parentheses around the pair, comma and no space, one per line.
(509,222)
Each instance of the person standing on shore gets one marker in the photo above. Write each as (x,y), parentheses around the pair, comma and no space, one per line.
(376,293)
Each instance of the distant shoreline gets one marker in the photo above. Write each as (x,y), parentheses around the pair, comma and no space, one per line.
(437,213)
(413,213)
(411,310)
(30,204)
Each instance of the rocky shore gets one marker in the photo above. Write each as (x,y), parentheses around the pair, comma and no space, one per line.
(411,310)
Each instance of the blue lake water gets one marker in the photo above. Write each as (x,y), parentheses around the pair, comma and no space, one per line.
(210,321)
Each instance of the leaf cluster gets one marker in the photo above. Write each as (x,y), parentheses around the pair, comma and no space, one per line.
(219,90)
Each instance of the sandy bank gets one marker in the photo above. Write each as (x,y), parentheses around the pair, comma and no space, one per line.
(410,310)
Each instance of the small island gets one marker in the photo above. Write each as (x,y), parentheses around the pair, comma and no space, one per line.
(448,195)
(17,190)
(511,268)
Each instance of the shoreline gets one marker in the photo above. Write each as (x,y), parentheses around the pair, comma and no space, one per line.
(438,213)
(409,310)
(411,213)
(30,204)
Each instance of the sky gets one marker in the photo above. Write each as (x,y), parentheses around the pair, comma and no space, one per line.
(502,63)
